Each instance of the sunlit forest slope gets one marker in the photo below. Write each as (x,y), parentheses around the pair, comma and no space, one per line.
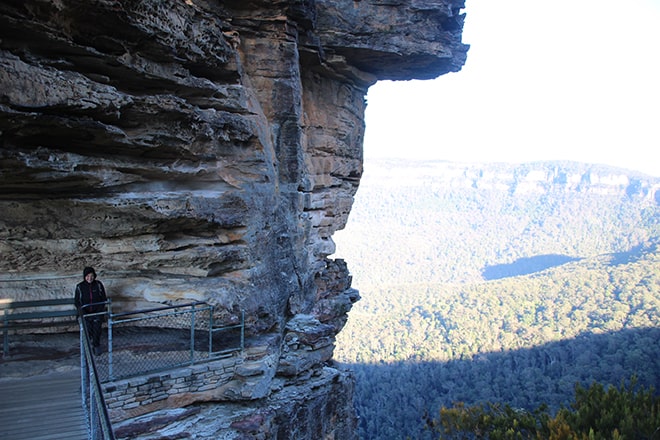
(500,283)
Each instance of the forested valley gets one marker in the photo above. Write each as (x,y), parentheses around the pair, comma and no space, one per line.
(497,283)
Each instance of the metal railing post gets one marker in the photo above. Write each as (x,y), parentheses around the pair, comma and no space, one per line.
(5,349)
(83,367)
(192,336)
(210,332)
(92,413)
(110,365)
(175,353)
(242,329)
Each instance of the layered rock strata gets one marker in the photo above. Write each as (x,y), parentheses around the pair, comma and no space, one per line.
(205,150)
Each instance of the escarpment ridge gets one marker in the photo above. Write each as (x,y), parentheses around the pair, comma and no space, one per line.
(205,150)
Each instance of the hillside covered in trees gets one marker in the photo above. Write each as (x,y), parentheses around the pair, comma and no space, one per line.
(497,283)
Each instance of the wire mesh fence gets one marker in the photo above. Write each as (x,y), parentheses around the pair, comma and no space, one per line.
(155,340)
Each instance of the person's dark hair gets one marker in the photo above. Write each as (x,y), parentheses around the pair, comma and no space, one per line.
(88,270)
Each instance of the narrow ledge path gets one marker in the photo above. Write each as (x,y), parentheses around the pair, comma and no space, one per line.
(47,406)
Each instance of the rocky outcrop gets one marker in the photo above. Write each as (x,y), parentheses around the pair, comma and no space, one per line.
(203,150)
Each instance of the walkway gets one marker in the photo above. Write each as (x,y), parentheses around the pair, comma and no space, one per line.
(47,406)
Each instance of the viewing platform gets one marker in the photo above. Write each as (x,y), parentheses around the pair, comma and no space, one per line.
(53,389)
(47,406)
(40,387)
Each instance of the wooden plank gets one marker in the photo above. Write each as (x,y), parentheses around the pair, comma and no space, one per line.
(42,407)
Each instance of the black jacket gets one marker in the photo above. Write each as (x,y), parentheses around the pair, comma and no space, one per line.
(87,293)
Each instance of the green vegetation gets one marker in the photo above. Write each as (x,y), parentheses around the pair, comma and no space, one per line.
(596,414)
(486,293)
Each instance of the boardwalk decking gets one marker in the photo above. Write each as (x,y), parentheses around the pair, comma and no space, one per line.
(42,407)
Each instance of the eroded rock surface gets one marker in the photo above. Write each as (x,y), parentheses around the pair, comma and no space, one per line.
(205,150)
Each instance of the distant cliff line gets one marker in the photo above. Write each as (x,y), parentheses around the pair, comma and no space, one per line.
(517,178)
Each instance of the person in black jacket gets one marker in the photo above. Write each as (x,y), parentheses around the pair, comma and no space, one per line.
(88,294)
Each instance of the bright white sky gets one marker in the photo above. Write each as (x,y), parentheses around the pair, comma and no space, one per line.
(544,80)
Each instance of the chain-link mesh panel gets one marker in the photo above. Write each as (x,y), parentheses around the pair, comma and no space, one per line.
(227,339)
(155,340)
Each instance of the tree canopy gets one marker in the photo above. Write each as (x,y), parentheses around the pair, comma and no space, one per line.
(495,296)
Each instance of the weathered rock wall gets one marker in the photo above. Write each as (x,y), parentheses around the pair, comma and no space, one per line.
(200,150)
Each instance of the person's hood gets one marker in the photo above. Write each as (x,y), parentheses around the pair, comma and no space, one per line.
(87,271)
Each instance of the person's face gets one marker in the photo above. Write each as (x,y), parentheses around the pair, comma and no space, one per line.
(89,277)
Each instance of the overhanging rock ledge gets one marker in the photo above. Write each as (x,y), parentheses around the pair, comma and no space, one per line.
(206,150)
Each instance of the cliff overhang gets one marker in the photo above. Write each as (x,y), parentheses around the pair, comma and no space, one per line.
(203,150)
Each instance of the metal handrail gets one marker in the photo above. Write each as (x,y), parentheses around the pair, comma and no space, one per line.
(93,400)
(159,309)
(28,320)
(160,313)
(121,364)
(193,309)
(107,303)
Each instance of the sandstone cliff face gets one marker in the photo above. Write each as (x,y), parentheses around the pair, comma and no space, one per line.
(202,150)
